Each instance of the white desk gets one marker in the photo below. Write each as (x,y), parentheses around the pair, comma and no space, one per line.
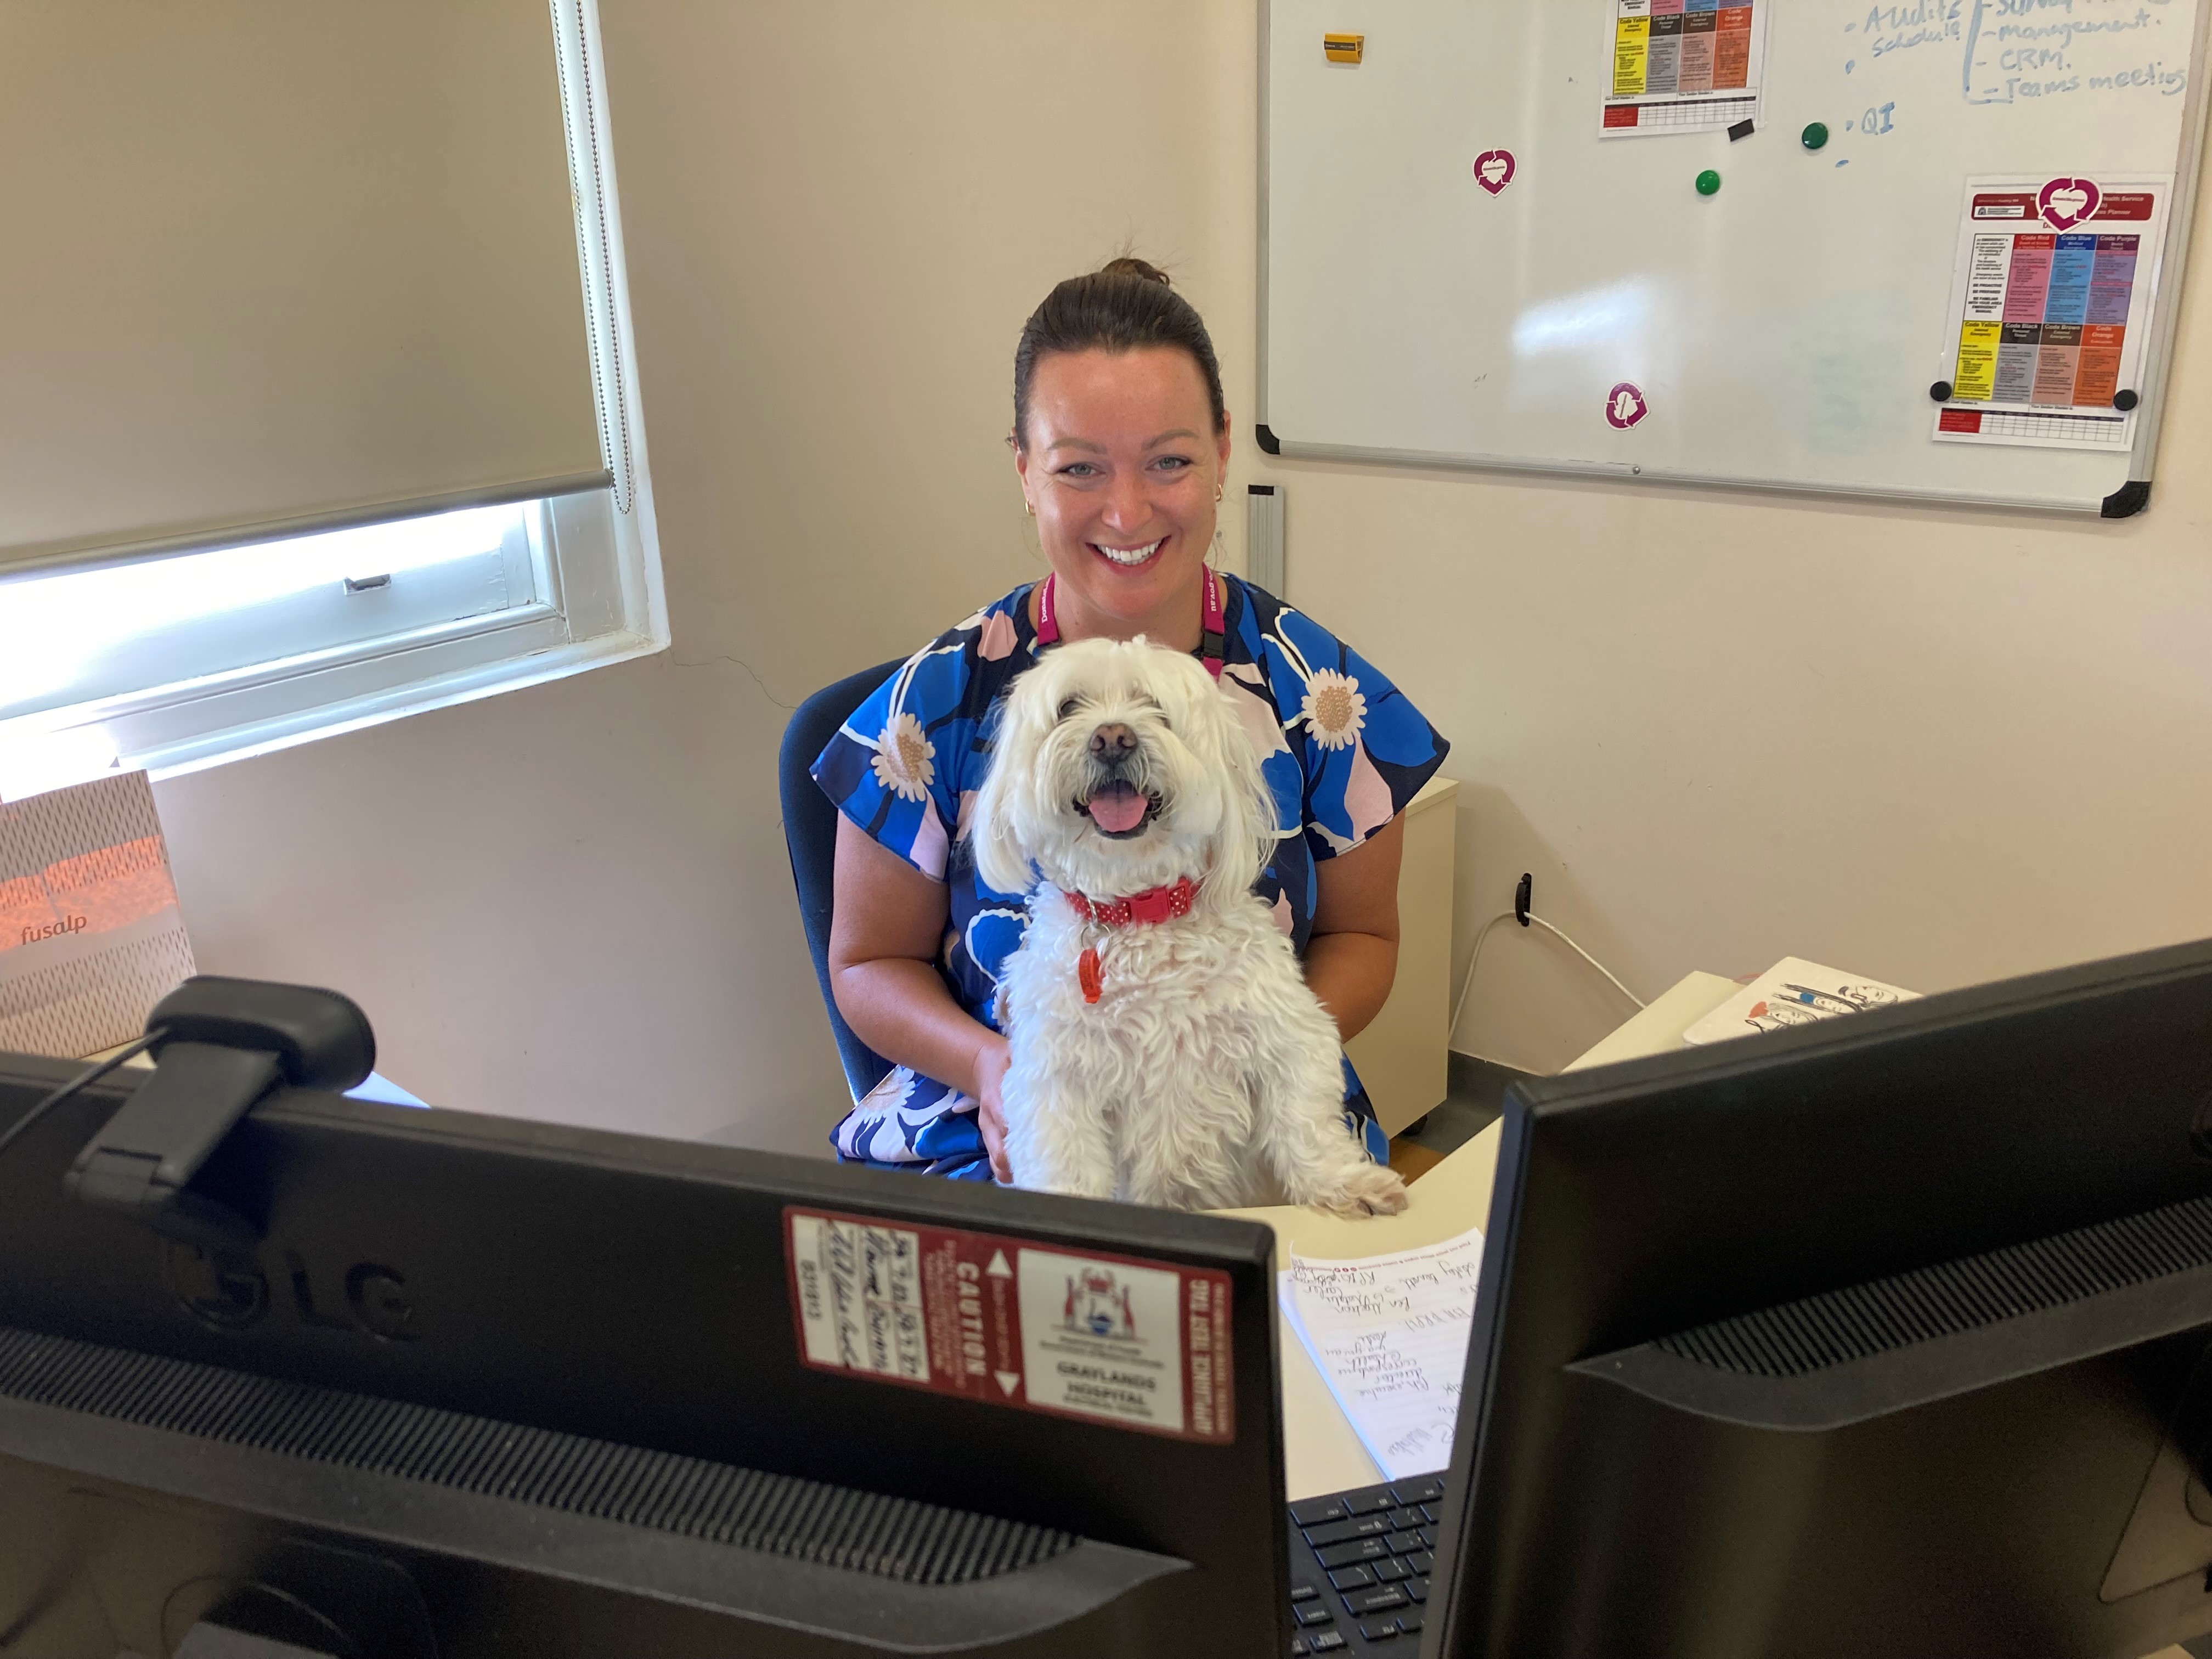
(375,1087)
(1320,1454)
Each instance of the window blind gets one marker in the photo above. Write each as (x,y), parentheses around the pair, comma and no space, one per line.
(275,266)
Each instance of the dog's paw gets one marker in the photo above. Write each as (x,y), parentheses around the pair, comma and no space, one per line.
(1371,1190)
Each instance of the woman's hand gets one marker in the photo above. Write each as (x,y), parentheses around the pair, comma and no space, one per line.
(885,936)
(992,1056)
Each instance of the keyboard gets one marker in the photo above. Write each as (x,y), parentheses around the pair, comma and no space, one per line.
(1359,1568)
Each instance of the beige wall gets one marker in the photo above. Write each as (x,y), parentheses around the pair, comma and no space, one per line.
(1934,746)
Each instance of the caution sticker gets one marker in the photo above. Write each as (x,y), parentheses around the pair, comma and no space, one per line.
(1141,1345)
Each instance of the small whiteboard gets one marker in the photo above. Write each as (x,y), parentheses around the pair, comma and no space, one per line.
(1467,260)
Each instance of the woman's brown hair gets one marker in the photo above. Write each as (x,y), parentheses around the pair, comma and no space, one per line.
(1126,305)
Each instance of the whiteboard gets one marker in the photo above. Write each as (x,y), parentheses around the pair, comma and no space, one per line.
(1783,331)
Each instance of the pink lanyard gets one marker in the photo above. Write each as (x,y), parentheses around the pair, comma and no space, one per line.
(1212,648)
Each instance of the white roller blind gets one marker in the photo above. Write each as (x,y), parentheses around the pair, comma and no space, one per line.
(280,263)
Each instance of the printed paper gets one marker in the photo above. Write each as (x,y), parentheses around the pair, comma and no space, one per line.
(1388,1335)
(2050,309)
(1102,1339)
(90,934)
(1684,66)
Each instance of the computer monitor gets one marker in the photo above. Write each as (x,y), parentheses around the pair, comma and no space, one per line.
(478,1386)
(1887,1336)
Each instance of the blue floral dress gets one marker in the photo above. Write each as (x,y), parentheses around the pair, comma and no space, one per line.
(1342,747)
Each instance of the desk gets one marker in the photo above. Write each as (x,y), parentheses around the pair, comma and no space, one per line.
(1320,1454)
(375,1087)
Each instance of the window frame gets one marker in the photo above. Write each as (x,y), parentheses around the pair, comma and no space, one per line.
(217,610)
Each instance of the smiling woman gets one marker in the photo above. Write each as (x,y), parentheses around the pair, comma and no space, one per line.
(1120,441)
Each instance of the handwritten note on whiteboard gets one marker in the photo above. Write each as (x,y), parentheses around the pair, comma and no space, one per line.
(1388,1335)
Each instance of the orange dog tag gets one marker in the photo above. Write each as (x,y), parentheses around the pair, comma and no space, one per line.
(1089,975)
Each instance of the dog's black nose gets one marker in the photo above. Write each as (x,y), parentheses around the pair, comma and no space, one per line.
(1113,744)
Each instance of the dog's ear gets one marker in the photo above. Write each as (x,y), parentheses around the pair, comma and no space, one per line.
(1246,841)
(1014,731)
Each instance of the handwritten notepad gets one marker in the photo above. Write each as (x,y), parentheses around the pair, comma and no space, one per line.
(1388,1335)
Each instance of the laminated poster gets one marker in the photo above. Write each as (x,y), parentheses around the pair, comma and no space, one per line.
(90,934)
(1684,66)
(2050,310)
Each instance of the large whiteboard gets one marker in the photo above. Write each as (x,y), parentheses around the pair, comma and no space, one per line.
(1786,331)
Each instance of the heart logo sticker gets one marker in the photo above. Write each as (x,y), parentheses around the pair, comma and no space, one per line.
(2066,202)
(1494,169)
(1624,406)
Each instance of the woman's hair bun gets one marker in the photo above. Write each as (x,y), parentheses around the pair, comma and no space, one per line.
(1129,265)
(1127,305)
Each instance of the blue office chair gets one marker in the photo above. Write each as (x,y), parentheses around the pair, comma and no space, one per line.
(810,830)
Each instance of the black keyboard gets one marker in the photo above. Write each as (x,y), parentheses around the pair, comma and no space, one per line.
(1359,1567)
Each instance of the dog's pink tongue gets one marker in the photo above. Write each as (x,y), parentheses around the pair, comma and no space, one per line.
(1117,808)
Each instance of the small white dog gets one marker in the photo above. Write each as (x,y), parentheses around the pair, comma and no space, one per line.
(1166,1047)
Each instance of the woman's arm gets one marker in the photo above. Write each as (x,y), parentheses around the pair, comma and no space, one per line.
(1352,956)
(886,925)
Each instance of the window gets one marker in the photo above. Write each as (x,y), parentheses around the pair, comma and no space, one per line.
(185,661)
(213,656)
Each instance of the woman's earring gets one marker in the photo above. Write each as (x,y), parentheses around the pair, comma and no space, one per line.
(1031,507)
(1216,494)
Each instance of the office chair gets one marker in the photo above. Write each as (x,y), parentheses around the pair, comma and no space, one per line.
(810,830)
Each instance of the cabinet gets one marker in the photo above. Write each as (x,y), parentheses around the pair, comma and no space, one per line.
(1402,1057)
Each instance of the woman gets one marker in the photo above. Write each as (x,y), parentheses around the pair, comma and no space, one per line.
(1121,440)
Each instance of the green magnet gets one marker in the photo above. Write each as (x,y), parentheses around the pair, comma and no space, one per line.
(1815,136)
(1708,183)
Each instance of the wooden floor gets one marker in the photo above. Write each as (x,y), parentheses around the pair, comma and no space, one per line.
(1413,1160)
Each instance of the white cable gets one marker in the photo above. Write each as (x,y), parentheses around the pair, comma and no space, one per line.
(1467,986)
(1590,959)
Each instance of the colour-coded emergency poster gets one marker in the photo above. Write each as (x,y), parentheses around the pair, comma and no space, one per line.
(1684,66)
(2050,308)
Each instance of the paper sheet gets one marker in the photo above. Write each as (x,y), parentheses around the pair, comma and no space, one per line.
(2051,297)
(1684,66)
(1388,1335)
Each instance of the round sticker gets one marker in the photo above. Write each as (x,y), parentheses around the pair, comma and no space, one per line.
(1624,406)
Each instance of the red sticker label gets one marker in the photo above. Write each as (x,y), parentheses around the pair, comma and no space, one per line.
(1959,420)
(1140,1345)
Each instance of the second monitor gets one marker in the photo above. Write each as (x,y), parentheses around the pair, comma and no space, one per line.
(1890,1336)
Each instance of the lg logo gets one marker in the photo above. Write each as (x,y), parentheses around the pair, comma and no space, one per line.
(230,1291)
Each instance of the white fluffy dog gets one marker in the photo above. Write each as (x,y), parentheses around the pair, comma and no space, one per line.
(1165,1048)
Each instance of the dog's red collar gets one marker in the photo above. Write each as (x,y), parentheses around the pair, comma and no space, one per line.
(1156,904)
